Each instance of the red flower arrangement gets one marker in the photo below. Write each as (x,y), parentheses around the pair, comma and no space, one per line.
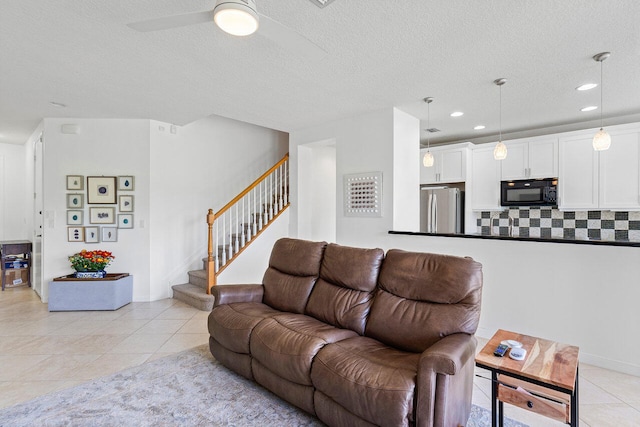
(91,260)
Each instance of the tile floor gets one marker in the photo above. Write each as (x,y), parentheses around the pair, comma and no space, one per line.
(41,352)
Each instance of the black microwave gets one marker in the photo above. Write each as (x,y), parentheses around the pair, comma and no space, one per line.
(529,192)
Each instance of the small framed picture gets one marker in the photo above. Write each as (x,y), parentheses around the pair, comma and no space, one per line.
(126,203)
(102,215)
(91,235)
(75,217)
(101,190)
(125,221)
(109,234)
(75,182)
(125,183)
(75,201)
(75,234)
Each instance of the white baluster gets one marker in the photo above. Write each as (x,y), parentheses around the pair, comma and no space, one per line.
(224,237)
(280,191)
(217,264)
(230,237)
(237,230)
(271,195)
(286,183)
(254,210)
(246,228)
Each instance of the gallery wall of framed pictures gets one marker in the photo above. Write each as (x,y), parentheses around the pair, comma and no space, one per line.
(98,207)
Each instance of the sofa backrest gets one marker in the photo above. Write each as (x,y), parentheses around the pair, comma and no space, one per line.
(293,269)
(343,294)
(424,297)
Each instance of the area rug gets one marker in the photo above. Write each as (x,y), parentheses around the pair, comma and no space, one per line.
(186,389)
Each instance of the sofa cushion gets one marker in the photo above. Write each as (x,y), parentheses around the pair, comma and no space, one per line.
(369,379)
(343,294)
(293,269)
(231,324)
(439,293)
(287,343)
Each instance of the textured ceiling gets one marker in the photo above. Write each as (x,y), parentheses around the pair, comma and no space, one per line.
(380,54)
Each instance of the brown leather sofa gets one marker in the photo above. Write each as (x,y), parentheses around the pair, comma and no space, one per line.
(354,337)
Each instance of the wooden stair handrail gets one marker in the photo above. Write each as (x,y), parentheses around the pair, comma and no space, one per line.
(250,187)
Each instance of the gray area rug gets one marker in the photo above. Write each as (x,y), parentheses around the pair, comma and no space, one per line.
(186,389)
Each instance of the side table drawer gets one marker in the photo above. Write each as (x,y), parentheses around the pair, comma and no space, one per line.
(523,399)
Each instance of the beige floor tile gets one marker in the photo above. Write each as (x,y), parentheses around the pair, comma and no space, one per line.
(592,394)
(94,344)
(12,393)
(58,367)
(81,327)
(124,326)
(142,313)
(610,415)
(15,367)
(480,398)
(108,364)
(196,325)
(622,386)
(635,405)
(177,313)
(141,343)
(161,326)
(181,342)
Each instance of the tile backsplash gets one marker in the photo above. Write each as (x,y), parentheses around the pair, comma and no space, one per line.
(552,223)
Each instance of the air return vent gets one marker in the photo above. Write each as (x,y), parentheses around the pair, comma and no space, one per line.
(432,130)
(321,3)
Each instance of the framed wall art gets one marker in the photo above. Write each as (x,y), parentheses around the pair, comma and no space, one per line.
(109,234)
(125,183)
(75,234)
(75,217)
(102,215)
(101,190)
(125,221)
(125,203)
(75,182)
(75,201)
(91,235)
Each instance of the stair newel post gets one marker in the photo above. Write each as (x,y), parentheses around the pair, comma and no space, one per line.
(211,274)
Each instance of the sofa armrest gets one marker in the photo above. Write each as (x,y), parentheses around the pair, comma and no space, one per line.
(439,364)
(228,294)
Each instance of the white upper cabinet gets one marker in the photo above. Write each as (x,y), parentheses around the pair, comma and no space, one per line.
(449,165)
(578,178)
(485,180)
(607,179)
(531,159)
(620,172)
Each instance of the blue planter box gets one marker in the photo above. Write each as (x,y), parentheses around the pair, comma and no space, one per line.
(72,294)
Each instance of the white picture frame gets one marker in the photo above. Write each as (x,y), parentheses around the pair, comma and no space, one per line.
(109,234)
(92,234)
(75,217)
(75,234)
(102,215)
(75,182)
(125,203)
(125,183)
(125,221)
(75,201)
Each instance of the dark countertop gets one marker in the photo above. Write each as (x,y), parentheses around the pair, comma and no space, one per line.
(525,239)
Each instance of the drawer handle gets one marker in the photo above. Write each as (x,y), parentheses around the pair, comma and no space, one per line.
(529,404)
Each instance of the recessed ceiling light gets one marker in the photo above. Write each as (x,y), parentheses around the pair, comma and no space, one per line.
(587,86)
(479,127)
(457,114)
(57,104)
(589,108)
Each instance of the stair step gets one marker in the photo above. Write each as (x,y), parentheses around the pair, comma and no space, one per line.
(194,296)
(198,278)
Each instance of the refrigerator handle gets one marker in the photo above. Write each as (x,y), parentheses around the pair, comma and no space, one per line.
(432,220)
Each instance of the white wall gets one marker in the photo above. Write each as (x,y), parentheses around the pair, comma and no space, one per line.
(13,188)
(109,147)
(406,172)
(584,295)
(203,165)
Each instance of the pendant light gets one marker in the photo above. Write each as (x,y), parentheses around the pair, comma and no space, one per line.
(236,17)
(427,160)
(601,140)
(500,152)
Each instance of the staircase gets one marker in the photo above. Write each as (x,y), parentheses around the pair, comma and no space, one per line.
(233,228)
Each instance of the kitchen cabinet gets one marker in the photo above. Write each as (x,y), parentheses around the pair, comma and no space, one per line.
(450,164)
(531,159)
(485,180)
(609,179)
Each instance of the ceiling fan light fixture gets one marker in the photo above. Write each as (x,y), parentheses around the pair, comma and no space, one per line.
(236,17)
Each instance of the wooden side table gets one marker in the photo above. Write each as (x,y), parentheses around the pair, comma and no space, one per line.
(545,382)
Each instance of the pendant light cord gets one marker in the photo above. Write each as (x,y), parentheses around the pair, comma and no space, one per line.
(428,125)
(500,139)
(601,106)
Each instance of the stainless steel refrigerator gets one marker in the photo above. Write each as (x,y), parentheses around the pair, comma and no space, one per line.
(441,210)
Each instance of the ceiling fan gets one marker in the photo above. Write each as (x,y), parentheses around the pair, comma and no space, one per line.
(238,18)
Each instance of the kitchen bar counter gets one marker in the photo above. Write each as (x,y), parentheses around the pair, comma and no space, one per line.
(524,239)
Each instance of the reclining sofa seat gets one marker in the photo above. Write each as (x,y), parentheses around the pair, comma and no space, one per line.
(353,337)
